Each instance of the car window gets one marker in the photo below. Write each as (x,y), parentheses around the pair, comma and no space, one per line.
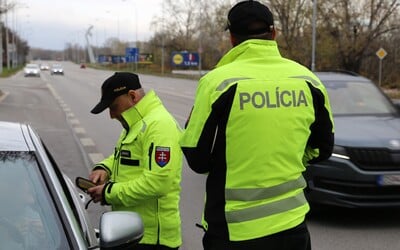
(28,218)
(32,66)
(357,98)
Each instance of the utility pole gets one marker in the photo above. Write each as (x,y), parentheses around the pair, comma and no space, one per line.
(1,37)
(162,40)
(314,24)
(7,49)
(200,49)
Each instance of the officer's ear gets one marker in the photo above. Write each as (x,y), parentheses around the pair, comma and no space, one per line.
(234,40)
(273,33)
(132,95)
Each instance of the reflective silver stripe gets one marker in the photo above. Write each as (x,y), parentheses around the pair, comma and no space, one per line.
(308,78)
(254,194)
(144,126)
(226,82)
(265,210)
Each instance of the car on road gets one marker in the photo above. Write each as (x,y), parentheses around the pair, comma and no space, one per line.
(44,66)
(40,206)
(364,169)
(57,69)
(32,69)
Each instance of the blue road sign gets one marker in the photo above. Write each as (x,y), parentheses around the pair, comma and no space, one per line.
(132,54)
(104,59)
(185,58)
(118,59)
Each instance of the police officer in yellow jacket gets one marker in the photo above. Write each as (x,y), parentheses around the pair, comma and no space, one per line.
(258,119)
(144,172)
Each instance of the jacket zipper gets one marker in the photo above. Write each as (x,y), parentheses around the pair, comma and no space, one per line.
(116,160)
(150,153)
(158,225)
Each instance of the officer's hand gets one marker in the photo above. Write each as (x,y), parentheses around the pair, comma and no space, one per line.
(96,193)
(98,176)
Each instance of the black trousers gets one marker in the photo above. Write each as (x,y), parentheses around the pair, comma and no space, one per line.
(153,247)
(297,238)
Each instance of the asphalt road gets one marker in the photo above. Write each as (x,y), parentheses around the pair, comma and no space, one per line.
(59,107)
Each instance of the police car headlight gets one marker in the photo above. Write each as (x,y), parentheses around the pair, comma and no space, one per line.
(340,152)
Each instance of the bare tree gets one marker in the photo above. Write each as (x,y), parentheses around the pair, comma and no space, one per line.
(354,27)
(348,32)
(292,21)
(181,21)
(192,25)
(211,35)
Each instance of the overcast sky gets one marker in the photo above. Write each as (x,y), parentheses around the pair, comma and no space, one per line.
(50,24)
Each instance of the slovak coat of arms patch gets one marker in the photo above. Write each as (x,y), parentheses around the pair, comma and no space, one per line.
(162,155)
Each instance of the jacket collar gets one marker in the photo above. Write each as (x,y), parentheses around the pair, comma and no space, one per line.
(251,47)
(136,113)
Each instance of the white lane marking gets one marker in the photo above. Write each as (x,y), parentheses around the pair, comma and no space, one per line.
(79,130)
(74,121)
(87,142)
(96,157)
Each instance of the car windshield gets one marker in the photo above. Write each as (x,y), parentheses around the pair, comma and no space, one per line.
(357,98)
(28,218)
(32,66)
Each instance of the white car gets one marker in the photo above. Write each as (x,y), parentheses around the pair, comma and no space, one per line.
(32,69)
(57,69)
(42,209)
(44,67)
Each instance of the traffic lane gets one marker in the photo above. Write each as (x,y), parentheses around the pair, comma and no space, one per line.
(80,93)
(183,87)
(30,101)
(364,229)
(179,106)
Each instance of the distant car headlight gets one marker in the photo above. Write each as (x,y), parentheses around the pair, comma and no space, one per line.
(340,152)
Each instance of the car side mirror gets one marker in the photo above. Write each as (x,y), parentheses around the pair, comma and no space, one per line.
(120,230)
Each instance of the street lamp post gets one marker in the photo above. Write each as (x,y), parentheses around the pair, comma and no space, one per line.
(136,34)
(162,40)
(1,38)
(314,24)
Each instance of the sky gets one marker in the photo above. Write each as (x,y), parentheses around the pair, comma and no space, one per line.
(51,24)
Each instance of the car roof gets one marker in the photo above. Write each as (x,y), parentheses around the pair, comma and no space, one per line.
(340,76)
(15,137)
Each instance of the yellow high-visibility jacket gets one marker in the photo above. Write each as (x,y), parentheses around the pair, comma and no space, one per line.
(257,120)
(145,171)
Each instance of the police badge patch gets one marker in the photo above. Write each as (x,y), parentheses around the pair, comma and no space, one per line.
(162,155)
